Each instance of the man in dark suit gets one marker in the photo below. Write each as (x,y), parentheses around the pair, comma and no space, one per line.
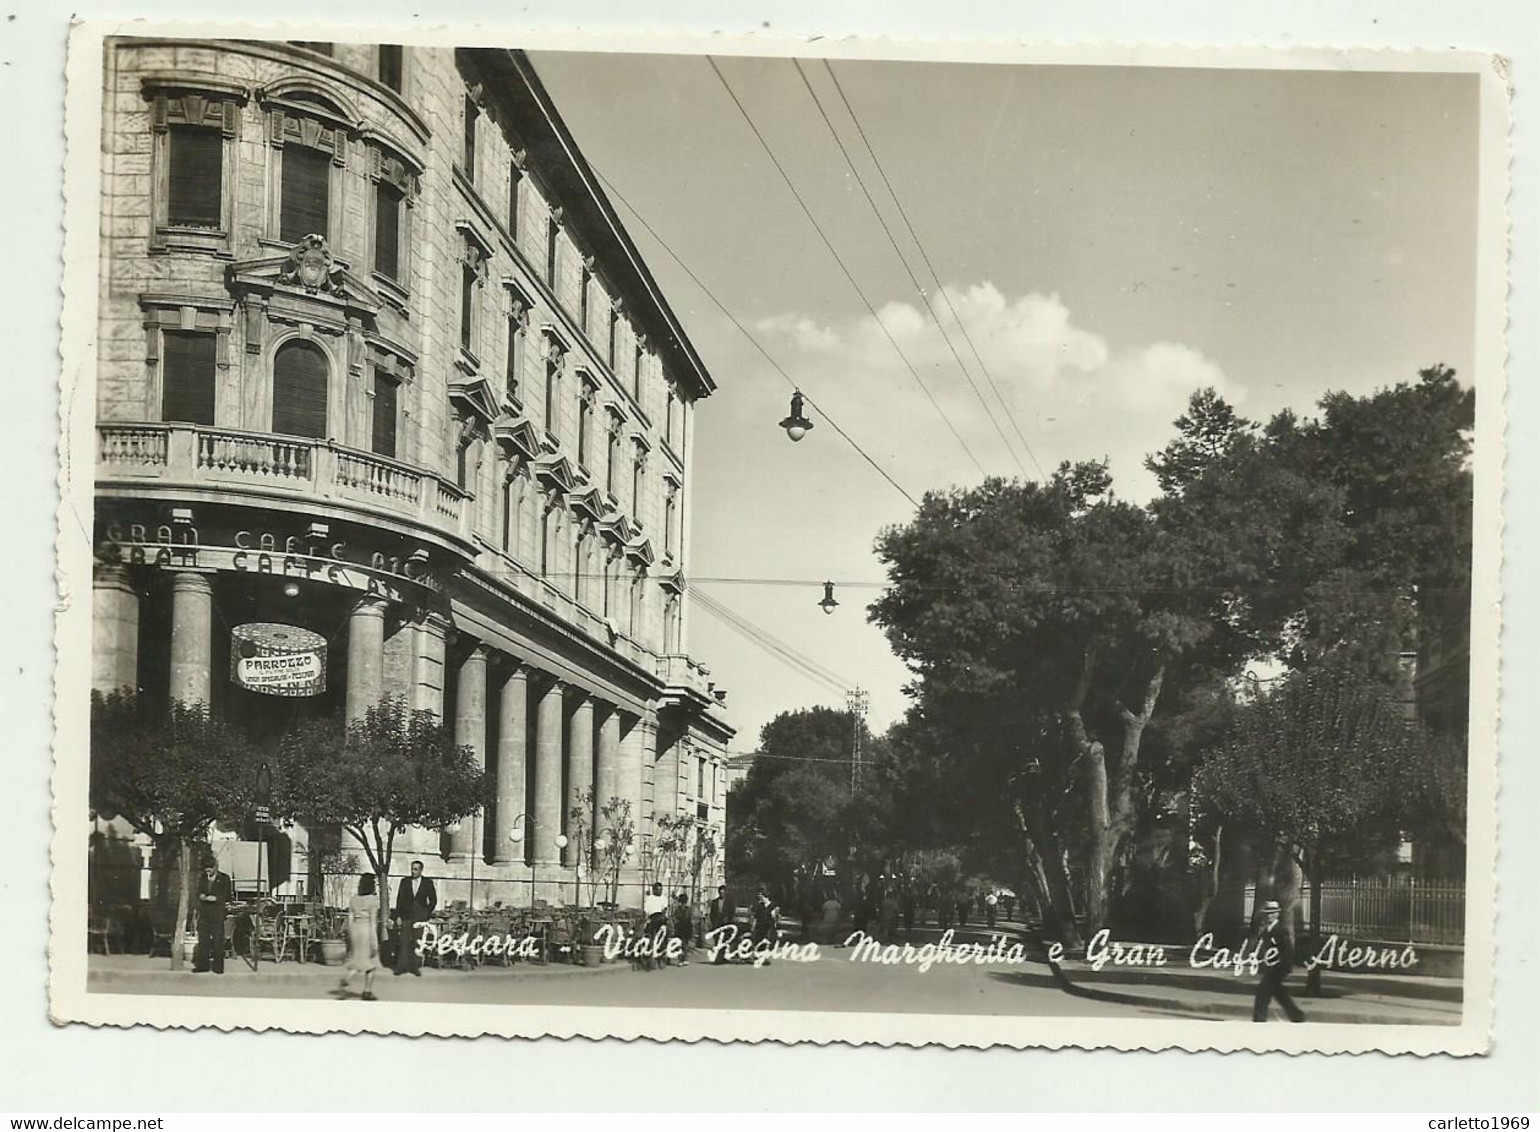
(723,911)
(1275,950)
(214,892)
(415,901)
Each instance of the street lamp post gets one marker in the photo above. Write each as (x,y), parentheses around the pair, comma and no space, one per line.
(516,835)
(561,847)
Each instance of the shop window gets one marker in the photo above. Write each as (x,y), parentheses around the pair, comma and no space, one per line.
(187,377)
(195,192)
(299,390)
(306,193)
(387,403)
(387,230)
(392,66)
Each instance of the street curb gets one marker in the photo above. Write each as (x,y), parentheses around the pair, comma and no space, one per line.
(331,974)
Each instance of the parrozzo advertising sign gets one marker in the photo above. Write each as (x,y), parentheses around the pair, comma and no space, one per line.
(278,660)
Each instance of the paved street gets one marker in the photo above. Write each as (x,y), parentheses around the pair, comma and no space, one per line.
(833,983)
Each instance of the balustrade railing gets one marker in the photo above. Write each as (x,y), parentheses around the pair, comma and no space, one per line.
(306,466)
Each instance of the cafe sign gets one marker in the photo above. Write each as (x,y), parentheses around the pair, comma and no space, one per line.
(277,660)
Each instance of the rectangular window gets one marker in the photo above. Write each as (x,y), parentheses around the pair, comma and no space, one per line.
(515,183)
(613,462)
(515,359)
(551,228)
(609,354)
(550,395)
(467,305)
(668,426)
(387,394)
(637,470)
(585,416)
(636,376)
(387,230)
(584,283)
(468,147)
(187,369)
(392,69)
(700,777)
(196,188)
(306,189)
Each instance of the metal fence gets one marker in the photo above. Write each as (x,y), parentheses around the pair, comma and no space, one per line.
(1393,909)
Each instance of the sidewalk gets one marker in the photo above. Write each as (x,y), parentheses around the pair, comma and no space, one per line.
(106,971)
(1373,999)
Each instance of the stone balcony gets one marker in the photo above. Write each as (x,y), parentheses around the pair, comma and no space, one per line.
(290,472)
(687,683)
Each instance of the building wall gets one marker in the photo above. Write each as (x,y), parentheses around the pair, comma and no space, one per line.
(476,477)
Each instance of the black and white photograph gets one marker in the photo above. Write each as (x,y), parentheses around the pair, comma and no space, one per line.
(830,541)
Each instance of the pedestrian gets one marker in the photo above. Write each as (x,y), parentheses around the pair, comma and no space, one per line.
(721,915)
(888,917)
(945,906)
(829,925)
(1009,900)
(1275,950)
(214,892)
(909,899)
(765,918)
(964,902)
(416,899)
(684,927)
(363,936)
(990,900)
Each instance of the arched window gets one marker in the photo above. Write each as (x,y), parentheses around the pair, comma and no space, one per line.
(299,389)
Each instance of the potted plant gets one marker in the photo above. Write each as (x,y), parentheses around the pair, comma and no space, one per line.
(338,878)
(592,952)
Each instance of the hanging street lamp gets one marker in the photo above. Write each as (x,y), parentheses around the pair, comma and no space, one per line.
(796,425)
(828,604)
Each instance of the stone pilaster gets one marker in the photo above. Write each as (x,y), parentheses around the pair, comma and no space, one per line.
(580,761)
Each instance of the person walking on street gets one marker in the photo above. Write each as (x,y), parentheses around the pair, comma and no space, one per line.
(990,901)
(363,936)
(1275,950)
(684,927)
(721,913)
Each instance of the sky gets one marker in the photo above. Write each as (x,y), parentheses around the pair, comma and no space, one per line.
(1109,239)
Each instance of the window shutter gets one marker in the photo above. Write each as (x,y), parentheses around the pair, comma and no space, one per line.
(299,390)
(306,193)
(387,230)
(187,361)
(386,395)
(196,177)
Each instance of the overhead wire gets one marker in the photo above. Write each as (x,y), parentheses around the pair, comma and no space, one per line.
(829,244)
(753,341)
(897,251)
(772,644)
(903,213)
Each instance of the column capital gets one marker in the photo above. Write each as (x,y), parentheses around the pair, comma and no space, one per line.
(478,653)
(369,605)
(187,580)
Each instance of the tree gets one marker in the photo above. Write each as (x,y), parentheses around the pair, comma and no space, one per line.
(389,770)
(1042,622)
(1323,768)
(171,773)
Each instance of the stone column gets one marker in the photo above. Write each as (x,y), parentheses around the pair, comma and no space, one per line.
(366,656)
(512,741)
(548,751)
(580,762)
(607,768)
(628,785)
(192,636)
(471,731)
(114,630)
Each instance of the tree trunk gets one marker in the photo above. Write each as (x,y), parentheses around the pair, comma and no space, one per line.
(1049,884)
(1099,840)
(183,901)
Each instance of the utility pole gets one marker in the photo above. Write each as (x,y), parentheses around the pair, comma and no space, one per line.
(856,703)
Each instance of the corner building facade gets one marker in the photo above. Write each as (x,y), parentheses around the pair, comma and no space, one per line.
(378,360)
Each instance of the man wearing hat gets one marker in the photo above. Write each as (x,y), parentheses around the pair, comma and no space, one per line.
(214,892)
(1275,951)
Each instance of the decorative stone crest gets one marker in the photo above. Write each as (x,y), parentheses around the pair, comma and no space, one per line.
(310,266)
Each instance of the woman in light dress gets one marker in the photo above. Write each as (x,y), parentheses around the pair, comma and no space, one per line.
(363,936)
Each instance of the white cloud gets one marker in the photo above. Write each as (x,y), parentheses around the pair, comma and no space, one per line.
(1071,394)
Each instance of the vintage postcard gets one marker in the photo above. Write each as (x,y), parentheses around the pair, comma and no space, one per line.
(758,539)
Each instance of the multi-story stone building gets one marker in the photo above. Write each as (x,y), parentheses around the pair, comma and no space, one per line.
(379,361)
